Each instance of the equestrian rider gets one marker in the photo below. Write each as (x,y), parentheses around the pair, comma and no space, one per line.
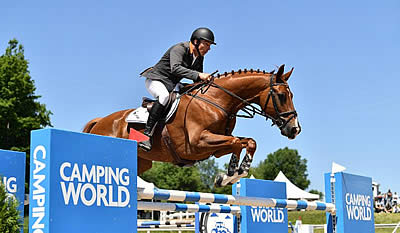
(183,60)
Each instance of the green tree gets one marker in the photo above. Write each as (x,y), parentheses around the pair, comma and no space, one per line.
(10,219)
(198,178)
(289,162)
(20,112)
(168,176)
(321,194)
(208,169)
(226,189)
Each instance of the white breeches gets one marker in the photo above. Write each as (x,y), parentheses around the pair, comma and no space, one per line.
(157,90)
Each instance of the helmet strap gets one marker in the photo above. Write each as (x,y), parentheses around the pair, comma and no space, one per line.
(196,46)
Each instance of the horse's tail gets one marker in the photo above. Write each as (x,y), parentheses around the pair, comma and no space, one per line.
(88,127)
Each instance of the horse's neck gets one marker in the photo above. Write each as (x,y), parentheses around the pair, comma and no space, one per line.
(246,87)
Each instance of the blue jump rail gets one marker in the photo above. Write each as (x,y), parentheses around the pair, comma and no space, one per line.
(184,196)
(141,205)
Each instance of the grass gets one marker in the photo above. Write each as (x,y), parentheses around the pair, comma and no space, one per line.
(318,217)
(26,224)
(307,217)
(386,218)
(377,230)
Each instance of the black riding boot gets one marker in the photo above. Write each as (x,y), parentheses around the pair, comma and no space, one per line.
(154,116)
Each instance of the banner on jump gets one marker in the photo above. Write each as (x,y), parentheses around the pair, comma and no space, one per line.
(354,201)
(12,175)
(262,219)
(82,183)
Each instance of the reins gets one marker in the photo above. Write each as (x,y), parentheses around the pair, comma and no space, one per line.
(248,108)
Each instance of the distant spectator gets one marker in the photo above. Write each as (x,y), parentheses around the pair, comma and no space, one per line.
(389,202)
(379,205)
(395,203)
(395,198)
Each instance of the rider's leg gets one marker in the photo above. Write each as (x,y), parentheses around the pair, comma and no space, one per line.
(154,116)
(160,92)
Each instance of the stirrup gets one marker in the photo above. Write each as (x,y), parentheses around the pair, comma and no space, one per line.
(145,145)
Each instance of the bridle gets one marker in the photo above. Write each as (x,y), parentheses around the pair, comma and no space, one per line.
(281,122)
(249,108)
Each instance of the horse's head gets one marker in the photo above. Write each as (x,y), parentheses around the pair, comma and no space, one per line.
(277,104)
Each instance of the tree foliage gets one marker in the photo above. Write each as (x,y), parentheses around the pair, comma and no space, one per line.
(289,162)
(198,178)
(321,194)
(20,112)
(168,176)
(10,219)
(208,169)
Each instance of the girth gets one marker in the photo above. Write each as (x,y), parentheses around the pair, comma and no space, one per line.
(177,159)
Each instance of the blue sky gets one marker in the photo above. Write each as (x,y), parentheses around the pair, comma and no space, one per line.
(86,56)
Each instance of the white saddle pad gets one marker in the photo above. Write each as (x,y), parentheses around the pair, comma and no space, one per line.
(141,114)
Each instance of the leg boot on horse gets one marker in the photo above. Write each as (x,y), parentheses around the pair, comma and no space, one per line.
(155,115)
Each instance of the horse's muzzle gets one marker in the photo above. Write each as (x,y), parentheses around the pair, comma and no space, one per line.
(292,129)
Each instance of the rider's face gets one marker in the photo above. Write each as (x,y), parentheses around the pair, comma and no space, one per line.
(204,47)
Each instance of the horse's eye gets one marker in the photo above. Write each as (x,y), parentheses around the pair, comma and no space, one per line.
(282,97)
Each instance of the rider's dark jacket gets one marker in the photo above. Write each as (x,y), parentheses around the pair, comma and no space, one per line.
(176,64)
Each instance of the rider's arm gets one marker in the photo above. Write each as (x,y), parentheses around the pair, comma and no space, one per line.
(176,59)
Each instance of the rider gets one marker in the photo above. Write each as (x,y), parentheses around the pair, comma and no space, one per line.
(183,60)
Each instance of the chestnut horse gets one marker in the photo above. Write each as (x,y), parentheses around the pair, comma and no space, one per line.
(204,121)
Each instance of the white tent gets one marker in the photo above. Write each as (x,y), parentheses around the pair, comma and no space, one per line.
(293,192)
(141,184)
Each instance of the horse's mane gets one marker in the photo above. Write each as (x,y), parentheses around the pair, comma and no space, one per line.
(196,86)
(244,71)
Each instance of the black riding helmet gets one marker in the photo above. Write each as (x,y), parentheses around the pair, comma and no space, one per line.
(202,34)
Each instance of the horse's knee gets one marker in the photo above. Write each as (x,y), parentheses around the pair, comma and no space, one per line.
(235,141)
(237,145)
(251,146)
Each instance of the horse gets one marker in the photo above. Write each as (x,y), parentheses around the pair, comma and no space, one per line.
(203,123)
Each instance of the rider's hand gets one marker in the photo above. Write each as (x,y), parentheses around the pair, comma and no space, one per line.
(204,76)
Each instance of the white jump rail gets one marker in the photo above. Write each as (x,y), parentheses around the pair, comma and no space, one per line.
(185,196)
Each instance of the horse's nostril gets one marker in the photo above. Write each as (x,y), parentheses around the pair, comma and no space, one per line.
(294,130)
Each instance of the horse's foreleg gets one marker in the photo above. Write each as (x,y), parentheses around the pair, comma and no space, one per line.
(143,165)
(221,145)
(236,172)
(244,168)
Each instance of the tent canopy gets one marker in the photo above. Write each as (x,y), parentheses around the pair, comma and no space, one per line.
(141,184)
(293,192)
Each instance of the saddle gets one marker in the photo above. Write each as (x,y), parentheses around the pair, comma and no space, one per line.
(140,115)
(148,103)
(138,118)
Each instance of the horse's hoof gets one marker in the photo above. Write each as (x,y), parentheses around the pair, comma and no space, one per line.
(218,180)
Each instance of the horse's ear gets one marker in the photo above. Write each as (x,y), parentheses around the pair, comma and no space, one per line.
(287,75)
(280,73)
